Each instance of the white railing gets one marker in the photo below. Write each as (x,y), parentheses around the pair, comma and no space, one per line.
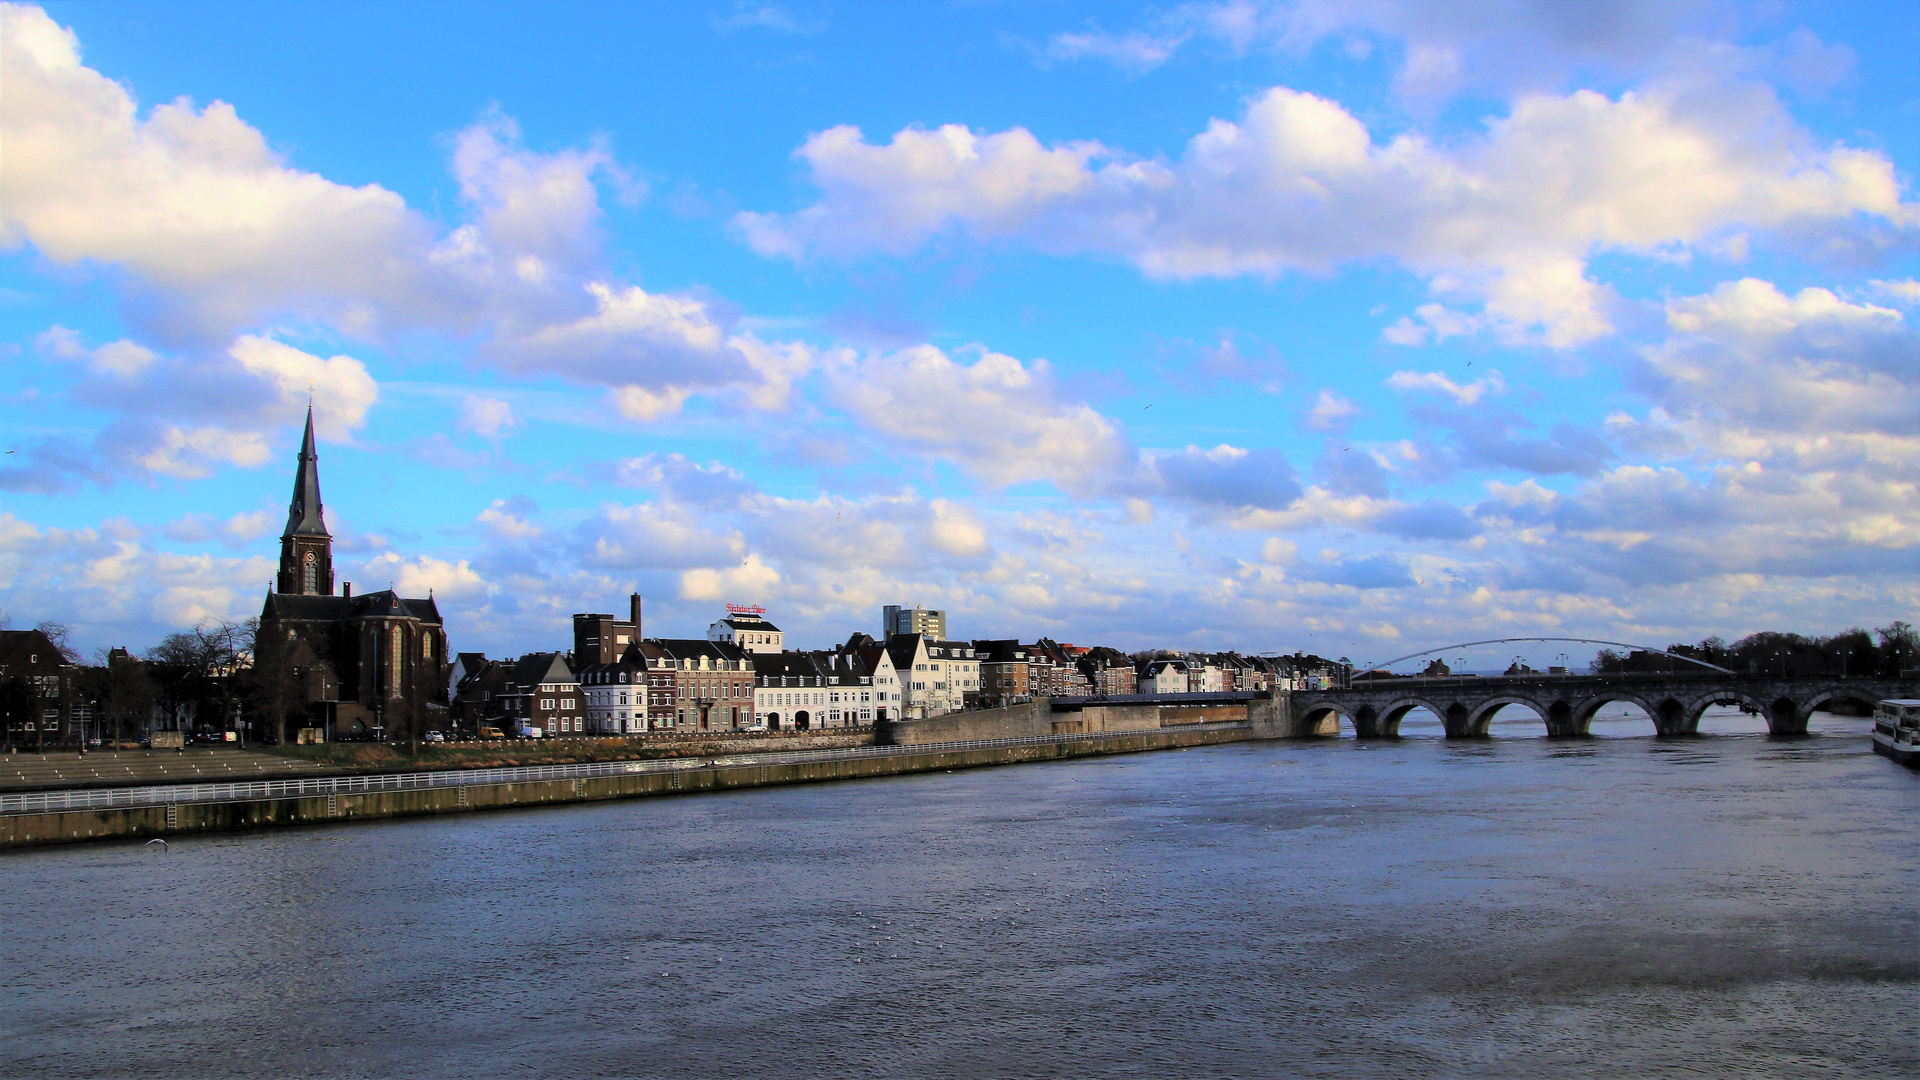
(30,802)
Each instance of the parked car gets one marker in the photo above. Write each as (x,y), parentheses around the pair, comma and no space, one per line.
(492,733)
(434,736)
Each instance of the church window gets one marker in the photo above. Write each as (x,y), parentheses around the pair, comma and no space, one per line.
(399,659)
(309,574)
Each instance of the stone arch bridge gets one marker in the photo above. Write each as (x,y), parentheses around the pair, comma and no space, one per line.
(1568,703)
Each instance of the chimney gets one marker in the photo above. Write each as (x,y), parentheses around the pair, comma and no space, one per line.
(633,600)
(348,589)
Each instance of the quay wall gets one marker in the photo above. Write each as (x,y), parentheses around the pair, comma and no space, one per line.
(145,822)
(1269,714)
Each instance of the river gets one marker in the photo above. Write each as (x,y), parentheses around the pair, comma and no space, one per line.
(1726,906)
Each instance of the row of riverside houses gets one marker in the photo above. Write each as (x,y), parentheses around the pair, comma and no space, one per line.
(321,666)
(741,677)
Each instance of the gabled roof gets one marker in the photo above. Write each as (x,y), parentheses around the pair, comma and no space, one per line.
(749,622)
(784,664)
(632,659)
(536,668)
(689,648)
(27,643)
(304,517)
(1008,651)
(383,604)
(903,648)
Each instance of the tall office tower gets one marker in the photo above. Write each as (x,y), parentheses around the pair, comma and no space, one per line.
(895,619)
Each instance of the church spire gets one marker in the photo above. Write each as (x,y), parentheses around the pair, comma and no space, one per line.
(304,516)
(306,548)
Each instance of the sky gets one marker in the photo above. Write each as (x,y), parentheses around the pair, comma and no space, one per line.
(1359,327)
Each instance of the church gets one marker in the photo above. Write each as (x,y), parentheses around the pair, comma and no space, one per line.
(342,667)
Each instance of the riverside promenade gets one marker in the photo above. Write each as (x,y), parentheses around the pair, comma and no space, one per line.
(32,818)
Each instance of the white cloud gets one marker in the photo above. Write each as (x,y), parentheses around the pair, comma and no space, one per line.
(489,417)
(1298,183)
(423,575)
(218,235)
(1330,412)
(955,530)
(752,578)
(192,201)
(187,416)
(1436,382)
(339,386)
(1003,421)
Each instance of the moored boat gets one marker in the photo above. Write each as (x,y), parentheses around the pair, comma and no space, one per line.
(1896,730)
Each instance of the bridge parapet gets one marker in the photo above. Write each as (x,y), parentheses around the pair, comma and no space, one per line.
(1567,704)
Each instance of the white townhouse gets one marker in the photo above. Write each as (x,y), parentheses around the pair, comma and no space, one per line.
(801,691)
(617,695)
(888,703)
(935,676)
(1164,677)
(746,627)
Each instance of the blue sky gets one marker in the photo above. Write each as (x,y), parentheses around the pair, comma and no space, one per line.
(1352,327)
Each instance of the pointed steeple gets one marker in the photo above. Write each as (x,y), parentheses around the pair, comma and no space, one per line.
(306,548)
(304,516)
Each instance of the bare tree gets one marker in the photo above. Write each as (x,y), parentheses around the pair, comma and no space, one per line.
(273,682)
(202,665)
(61,634)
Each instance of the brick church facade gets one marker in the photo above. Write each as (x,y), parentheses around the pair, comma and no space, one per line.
(343,667)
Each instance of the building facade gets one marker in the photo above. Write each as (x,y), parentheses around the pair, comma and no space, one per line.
(712,683)
(895,619)
(599,638)
(37,705)
(1005,672)
(747,627)
(543,696)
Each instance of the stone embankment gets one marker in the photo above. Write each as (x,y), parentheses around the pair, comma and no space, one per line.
(142,822)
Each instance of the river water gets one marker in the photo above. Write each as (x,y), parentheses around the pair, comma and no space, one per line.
(1624,907)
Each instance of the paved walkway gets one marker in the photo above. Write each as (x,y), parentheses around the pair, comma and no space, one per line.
(25,771)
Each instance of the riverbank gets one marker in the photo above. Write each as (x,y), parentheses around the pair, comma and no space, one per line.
(70,769)
(266,810)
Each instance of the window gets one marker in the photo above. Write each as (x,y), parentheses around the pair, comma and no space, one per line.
(309,574)
(546,703)
(566,703)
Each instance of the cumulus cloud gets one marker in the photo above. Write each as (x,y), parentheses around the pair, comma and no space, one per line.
(1749,364)
(218,235)
(186,415)
(192,201)
(1298,183)
(422,575)
(486,416)
(1001,420)
(1330,412)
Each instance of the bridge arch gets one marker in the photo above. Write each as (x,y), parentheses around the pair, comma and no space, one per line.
(1480,716)
(1320,718)
(1835,694)
(1586,708)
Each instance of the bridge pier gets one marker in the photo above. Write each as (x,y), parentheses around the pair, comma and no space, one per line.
(1671,719)
(1786,717)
